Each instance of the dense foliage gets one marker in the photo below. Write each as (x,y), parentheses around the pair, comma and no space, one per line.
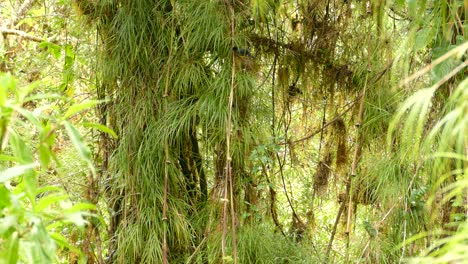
(224,131)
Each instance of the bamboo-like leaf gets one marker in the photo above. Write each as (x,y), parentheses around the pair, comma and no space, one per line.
(25,91)
(12,249)
(29,115)
(101,128)
(44,155)
(4,157)
(49,200)
(16,171)
(62,241)
(76,218)
(76,108)
(417,107)
(79,207)
(41,96)
(78,142)
(5,199)
(20,149)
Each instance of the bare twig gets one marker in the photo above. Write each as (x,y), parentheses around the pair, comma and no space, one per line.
(273,212)
(189,260)
(336,118)
(165,249)
(21,34)
(330,242)
(228,183)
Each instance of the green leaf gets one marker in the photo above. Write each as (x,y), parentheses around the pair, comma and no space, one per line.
(76,219)
(80,107)
(62,241)
(26,90)
(43,96)
(48,200)
(15,171)
(7,223)
(20,149)
(4,157)
(423,38)
(53,49)
(69,52)
(13,246)
(44,155)
(30,183)
(79,207)
(8,82)
(77,141)
(29,115)
(101,128)
(4,197)
(43,247)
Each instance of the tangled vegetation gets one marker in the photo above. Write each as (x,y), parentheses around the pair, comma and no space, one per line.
(233,131)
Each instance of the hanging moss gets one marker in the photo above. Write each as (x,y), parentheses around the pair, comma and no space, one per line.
(322,174)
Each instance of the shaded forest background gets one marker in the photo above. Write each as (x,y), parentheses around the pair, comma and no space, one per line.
(232,131)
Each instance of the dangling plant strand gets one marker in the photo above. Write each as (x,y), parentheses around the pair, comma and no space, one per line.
(228,183)
(167,160)
(356,157)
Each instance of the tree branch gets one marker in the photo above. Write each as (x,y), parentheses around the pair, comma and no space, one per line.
(21,34)
(336,118)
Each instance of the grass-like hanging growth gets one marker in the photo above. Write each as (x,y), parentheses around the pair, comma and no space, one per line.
(169,67)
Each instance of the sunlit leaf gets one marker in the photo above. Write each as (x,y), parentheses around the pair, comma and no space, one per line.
(42,248)
(29,115)
(101,128)
(7,223)
(4,197)
(20,149)
(15,171)
(4,157)
(75,218)
(77,141)
(12,248)
(76,108)
(44,155)
(42,96)
(49,200)
(53,49)
(81,207)
(62,241)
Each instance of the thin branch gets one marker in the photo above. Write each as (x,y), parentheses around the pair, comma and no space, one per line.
(460,24)
(189,259)
(332,236)
(336,118)
(165,248)
(286,191)
(228,183)
(21,34)
(273,212)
